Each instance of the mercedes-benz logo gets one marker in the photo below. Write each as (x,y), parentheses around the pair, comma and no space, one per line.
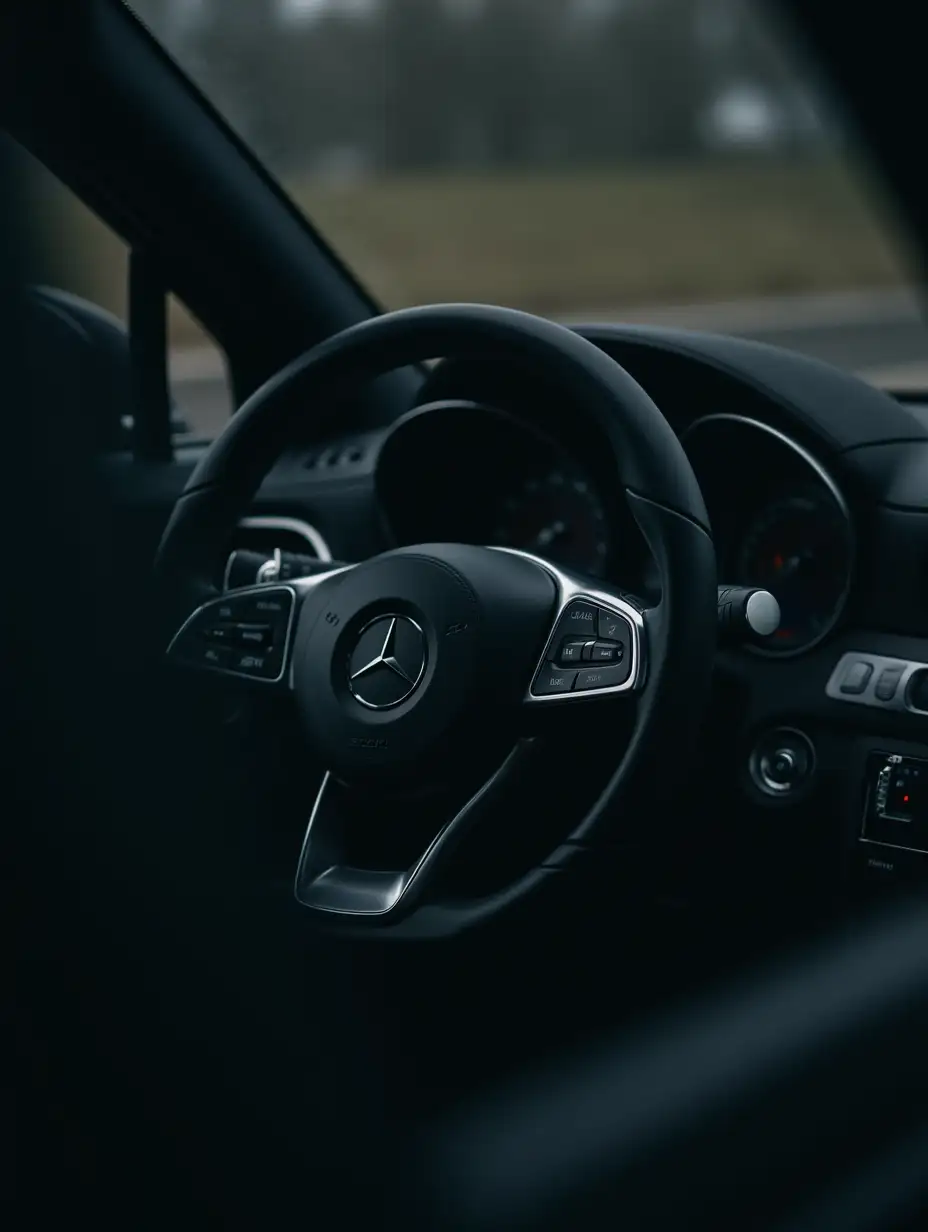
(388,662)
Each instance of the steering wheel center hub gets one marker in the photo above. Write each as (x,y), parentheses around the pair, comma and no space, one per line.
(412,658)
(388,661)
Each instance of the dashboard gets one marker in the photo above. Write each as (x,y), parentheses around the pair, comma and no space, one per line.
(816,487)
(462,471)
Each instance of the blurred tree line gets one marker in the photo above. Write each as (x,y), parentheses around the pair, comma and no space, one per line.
(419,85)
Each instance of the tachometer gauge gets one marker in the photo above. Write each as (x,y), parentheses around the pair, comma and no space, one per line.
(557,516)
(800,549)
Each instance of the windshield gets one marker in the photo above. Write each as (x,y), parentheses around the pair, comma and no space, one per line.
(638,160)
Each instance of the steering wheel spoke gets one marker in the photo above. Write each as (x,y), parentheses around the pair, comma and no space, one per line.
(332,876)
(247,634)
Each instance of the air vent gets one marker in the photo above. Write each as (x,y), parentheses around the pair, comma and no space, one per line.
(336,457)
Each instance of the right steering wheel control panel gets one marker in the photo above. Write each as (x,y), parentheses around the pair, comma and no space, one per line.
(590,649)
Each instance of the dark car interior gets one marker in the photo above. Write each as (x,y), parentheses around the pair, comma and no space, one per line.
(416,816)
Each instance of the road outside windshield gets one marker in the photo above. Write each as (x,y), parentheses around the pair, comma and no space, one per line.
(639,160)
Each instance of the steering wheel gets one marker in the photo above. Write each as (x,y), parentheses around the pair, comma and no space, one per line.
(423,676)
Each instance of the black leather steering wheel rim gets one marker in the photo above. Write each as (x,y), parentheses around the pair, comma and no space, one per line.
(651,467)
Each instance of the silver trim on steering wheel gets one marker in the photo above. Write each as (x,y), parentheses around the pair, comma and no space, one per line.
(290,526)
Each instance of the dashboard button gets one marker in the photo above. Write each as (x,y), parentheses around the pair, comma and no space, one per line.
(571,652)
(215,656)
(254,635)
(271,607)
(579,619)
(602,677)
(782,763)
(263,664)
(857,677)
(780,767)
(221,634)
(611,627)
(888,683)
(552,680)
(607,652)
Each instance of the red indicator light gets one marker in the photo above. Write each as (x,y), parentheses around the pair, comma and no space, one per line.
(905,799)
(778,561)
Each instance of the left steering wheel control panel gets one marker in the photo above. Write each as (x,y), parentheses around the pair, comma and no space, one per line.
(245,634)
(591,650)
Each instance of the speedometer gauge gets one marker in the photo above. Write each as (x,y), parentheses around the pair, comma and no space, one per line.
(799,548)
(557,516)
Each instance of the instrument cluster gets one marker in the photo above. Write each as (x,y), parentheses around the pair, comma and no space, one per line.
(459,471)
(780,522)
